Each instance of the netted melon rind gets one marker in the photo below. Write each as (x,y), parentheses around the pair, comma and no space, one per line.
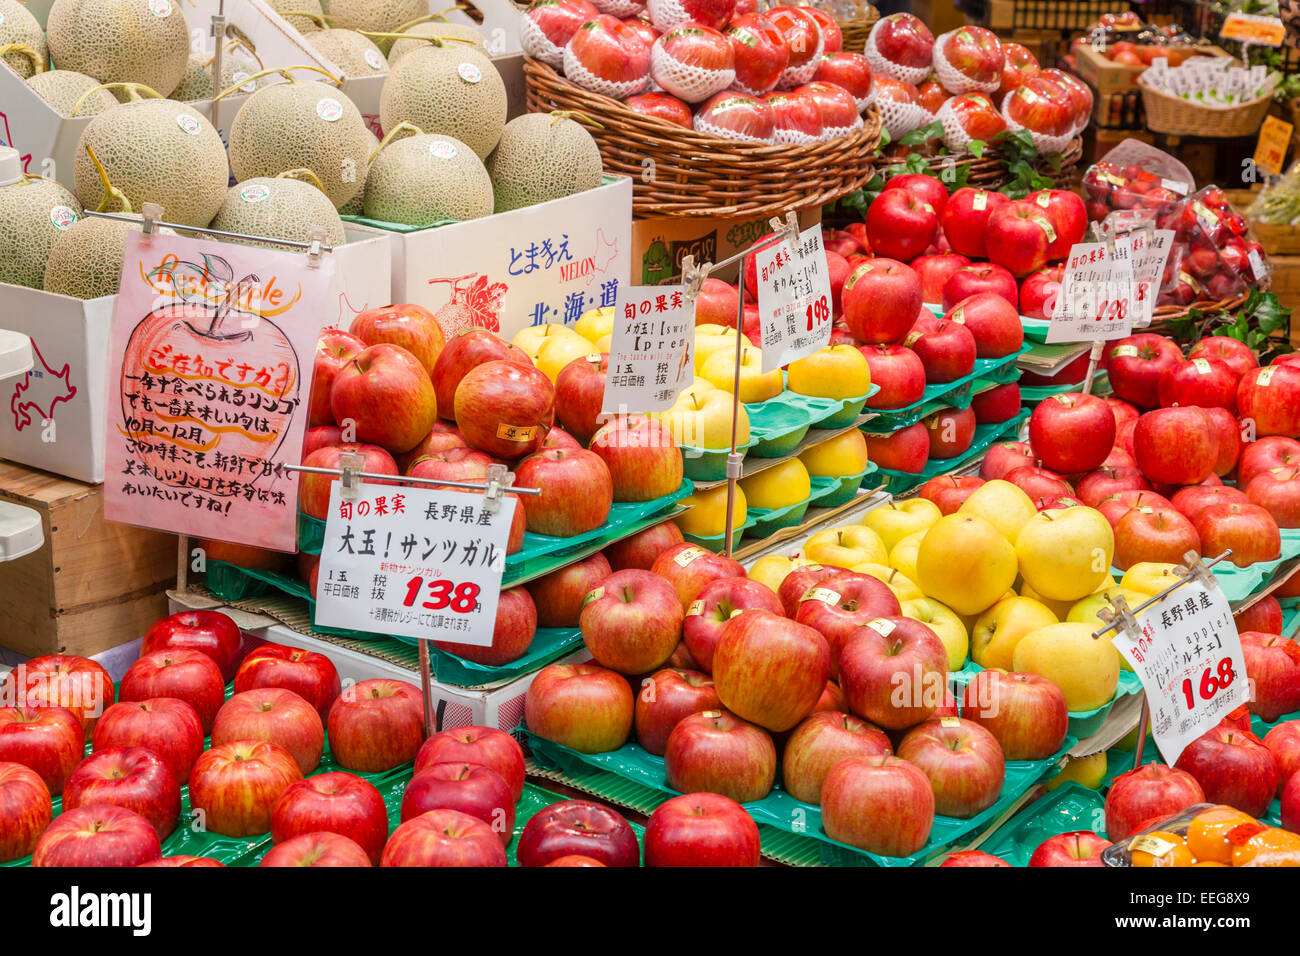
(540,158)
(236,67)
(121,41)
(429,89)
(352,53)
(17,25)
(435,28)
(29,227)
(427,179)
(86,261)
(278,208)
(377,16)
(63,88)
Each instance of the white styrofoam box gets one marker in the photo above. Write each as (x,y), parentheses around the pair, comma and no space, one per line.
(54,416)
(544,263)
(47,141)
(500,29)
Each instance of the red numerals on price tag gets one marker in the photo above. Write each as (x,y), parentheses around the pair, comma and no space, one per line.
(1111,310)
(818,312)
(461,598)
(1212,681)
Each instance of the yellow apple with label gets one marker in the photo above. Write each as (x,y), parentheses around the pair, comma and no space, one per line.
(844,547)
(594,324)
(999,629)
(771,569)
(1150,577)
(706,516)
(965,563)
(903,555)
(1065,553)
(837,457)
(1086,669)
(701,418)
(945,622)
(777,487)
(837,371)
(1004,505)
(755,384)
(1089,771)
(896,520)
(904,588)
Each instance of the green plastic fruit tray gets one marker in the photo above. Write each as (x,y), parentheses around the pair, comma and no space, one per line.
(780,810)
(1069,807)
(1240,583)
(762,522)
(845,488)
(780,423)
(710,464)
(714,542)
(901,482)
(958,393)
(1083,724)
(1033,394)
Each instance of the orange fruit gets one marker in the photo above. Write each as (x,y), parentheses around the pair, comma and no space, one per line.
(1207,834)
(1268,847)
(1209,863)
(1160,848)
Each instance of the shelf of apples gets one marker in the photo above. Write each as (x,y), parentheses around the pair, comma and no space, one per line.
(284,768)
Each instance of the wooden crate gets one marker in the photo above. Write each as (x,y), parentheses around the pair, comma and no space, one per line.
(1106,76)
(93,585)
(1285,284)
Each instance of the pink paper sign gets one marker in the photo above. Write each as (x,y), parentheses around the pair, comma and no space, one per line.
(210,365)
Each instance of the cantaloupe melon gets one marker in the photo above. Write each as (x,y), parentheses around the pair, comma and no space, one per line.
(542,157)
(453,90)
(426,179)
(377,16)
(435,28)
(352,53)
(278,207)
(18,26)
(155,151)
(64,89)
(121,41)
(356,206)
(303,24)
(34,212)
(237,65)
(85,262)
(302,124)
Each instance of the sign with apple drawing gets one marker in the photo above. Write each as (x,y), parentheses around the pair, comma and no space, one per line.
(206,387)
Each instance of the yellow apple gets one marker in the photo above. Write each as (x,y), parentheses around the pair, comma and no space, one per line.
(1065,553)
(530,339)
(1086,669)
(702,419)
(1087,771)
(1149,577)
(557,351)
(836,457)
(1062,608)
(965,563)
(707,517)
(778,487)
(845,547)
(594,324)
(904,588)
(755,384)
(903,555)
(999,629)
(837,371)
(1004,505)
(708,343)
(1088,610)
(896,520)
(771,569)
(603,344)
(945,623)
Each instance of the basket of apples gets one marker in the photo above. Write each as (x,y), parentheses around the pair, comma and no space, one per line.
(712,109)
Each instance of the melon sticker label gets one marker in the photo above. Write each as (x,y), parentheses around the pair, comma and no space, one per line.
(239,76)
(189,124)
(61,217)
(254,192)
(374,59)
(160,8)
(442,149)
(329,109)
(469,72)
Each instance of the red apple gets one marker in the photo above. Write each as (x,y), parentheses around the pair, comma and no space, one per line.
(168,727)
(688,568)
(1283,742)
(1234,353)
(47,740)
(376,725)
(314,489)
(761,53)
(1270,397)
(236,785)
(965,218)
(26,808)
(1232,767)
(99,835)
(631,622)
(1290,812)
(902,223)
(1039,291)
(469,349)
(1068,217)
(665,698)
(580,391)
(994,323)
(977,278)
(1277,491)
(1096,486)
(503,408)
(881,299)
(513,631)
(1228,439)
(1039,482)
(409,326)
(386,392)
(1019,236)
(820,741)
(187,675)
(558,596)
(642,549)
(334,350)
(1194,499)
(1264,455)
(442,438)
(485,746)
(576,491)
(276,715)
(907,449)
(335,802)
(61,680)
(950,491)
(1136,365)
(470,788)
(898,371)
(211,632)
(1175,446)
(1005,457)
(962,761)
(1025,713)
(310,675)
(133,778)
(1205,382)
(1153,534)
(894,673)
(795,584)
(973,857)
(719,601)
(946,348)
(443,838)
(770,670)
(716,752)
(998,404)
(701,829)
(578,828)
(642,456)
(1248,530)
(1264,615)
(1151,792)
(935,270)
(880,804)
(838,606)
(1273,668)
(317,849)
(1077,848)
(581,706)
(1072,433)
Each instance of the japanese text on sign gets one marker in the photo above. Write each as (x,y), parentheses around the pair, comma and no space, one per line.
(794,298)
(413,562)
(1150,251)
(1189,659)
(650,354)
(1097,293)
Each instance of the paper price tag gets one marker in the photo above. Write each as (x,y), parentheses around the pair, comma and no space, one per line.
(1252,28)
(413,562)
(1270,148)
(1097,293)
(794,299)
(1189,658)
(1150,252)
(650,355)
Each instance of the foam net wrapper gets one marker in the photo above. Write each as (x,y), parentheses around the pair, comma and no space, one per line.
(832,132)
(538,45)
(799,75)
(908,74)
(1043,142)
(702,125)
(619,8)
(575,71)
(952,78)
(795,137)
(693,84)
(667,14)
(899,118)
(954,136)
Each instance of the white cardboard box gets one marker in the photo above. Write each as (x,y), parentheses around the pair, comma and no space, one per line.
(549,263)
(53,417)
(47,141)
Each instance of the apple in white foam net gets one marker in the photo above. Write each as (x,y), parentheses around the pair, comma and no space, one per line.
(692,62)
(761,53)
(737,116)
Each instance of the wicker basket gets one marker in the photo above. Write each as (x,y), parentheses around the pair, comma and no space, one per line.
(1165,314)
(679,172)
(1175,116)
(990,171)
(855,31)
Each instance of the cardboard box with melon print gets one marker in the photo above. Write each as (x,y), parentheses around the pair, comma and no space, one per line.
(53,417)
(363,79)
(47,140)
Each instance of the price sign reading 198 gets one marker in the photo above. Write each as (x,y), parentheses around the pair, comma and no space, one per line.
(818,312)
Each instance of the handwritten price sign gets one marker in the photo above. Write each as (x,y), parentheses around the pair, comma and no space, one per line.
(794,299)
(1189,658)
(413,562)
(1097,293)
(650,353)
(1150,252)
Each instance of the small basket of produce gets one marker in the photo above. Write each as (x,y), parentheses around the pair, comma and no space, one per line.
(1206,96)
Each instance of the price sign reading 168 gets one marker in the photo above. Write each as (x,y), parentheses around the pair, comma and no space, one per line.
(1213,680)
(444,593)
